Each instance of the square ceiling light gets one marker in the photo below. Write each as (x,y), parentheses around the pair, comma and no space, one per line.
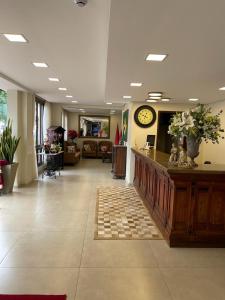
(193,99)
(62,89)
(75,101)
(137,84)
(156,57)
(222,88)
(69,96)
(127,97)
(165,99)
(17,38)
(40,64)
(53,79)
(155,94)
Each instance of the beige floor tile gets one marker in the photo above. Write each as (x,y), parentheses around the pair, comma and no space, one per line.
(38,281)
(121,284)
(61,221)
(195,283)
(7,240)
(118,253)
(187,257)
(46,249)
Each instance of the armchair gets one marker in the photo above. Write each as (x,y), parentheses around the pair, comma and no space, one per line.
(89,149)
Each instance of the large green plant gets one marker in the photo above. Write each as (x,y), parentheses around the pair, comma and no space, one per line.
(8,143)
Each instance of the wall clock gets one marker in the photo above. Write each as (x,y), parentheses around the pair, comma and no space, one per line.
(145,116)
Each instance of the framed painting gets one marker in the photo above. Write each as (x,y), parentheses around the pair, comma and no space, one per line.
(125,125)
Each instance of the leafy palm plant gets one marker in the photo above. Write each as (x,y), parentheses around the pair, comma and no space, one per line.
(8,143)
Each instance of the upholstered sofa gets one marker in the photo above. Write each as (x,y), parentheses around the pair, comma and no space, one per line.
(89,149)
(104,147)
(71,153)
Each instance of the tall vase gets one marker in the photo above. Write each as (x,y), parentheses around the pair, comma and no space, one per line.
(192,149)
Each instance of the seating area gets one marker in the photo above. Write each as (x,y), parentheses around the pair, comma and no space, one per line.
(71,153)
(96,149)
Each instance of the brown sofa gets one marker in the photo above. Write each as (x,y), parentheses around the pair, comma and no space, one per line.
(89,149)
(71,153)
(104,147)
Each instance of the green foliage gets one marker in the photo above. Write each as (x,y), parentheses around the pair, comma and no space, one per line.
(198,122)
(8,143)
(3,109)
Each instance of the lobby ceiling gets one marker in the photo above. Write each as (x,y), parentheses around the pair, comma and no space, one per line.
(98,50)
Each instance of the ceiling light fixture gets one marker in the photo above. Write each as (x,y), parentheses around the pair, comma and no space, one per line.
(151,100)
(155,94)
(18,38)
(127,97)
(222,88)
(53,79)
(69,96)
(156,57)
(40,65)
(155,97)
(74,101)
(165,99)
(109,103)
(193,99)
(62,89)
(137,84)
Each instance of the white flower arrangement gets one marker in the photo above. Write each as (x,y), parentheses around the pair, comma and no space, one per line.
(198,122)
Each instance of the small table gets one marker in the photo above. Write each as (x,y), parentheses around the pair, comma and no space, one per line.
(54,163)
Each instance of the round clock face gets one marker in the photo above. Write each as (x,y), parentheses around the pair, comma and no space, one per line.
(145,116)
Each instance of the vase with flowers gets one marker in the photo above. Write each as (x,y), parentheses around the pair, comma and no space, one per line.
(72,135)
(196,125)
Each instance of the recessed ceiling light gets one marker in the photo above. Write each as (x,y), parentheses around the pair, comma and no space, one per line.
(69,96)
(155,94)
(156,57)
(63,89)
(155,97)
(18,38)
(138,84)
(113,111)
(74,101)
(127,97)
(222,88)
(165,99)
(109,103)
(81,109)
(151,100)
(40,64)
(193,99)
(53,79)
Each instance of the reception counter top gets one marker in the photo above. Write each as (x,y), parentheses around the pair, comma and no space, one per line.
(187,204)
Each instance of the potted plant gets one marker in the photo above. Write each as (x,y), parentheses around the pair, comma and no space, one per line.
(8,146)
(196,124)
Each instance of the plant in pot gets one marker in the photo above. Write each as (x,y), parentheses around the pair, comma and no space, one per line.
(8,146)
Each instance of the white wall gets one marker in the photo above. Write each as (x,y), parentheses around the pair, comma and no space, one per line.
(21,111)
(73,119)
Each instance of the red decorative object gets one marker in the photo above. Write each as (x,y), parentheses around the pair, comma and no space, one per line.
(120,137)
(1,179)
(32,297)
(72,134)
(3,162)
(117,137)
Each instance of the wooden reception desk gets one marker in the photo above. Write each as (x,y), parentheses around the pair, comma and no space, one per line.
(188,205)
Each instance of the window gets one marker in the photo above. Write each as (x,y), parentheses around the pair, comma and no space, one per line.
(39,139)
(3,109)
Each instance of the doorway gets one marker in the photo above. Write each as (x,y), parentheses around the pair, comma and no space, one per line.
(164,140)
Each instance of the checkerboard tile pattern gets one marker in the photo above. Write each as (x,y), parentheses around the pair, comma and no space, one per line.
(121,214)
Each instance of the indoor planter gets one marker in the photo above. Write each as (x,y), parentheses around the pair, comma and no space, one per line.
(8,146)
(196,124)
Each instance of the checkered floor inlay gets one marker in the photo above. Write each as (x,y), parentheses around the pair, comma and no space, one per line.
(121,214)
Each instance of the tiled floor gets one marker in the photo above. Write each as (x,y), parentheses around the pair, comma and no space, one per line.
(47,246)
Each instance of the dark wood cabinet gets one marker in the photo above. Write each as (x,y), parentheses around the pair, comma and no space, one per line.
(119,157)
(188,205)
